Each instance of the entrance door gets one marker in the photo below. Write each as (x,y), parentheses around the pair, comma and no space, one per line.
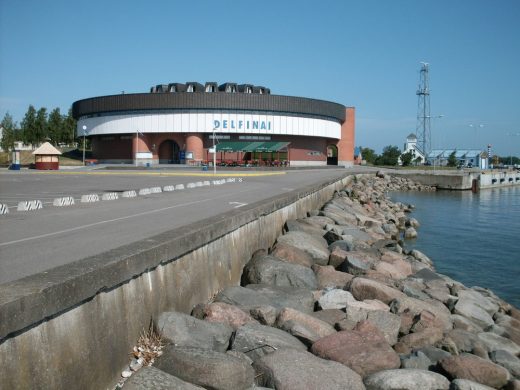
(332,155)
(169,152)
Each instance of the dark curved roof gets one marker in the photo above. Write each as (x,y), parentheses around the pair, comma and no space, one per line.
(208,101)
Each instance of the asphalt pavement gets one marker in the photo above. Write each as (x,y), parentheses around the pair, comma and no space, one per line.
(36,241)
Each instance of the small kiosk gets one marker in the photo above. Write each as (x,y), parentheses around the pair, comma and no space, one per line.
(15,158)
(46,157)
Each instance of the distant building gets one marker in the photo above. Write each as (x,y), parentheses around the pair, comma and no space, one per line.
(411,146)
(465,157)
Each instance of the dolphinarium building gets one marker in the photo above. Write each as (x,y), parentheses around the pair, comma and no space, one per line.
(181,122)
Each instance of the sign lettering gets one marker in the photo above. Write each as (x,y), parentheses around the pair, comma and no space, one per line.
(232,124)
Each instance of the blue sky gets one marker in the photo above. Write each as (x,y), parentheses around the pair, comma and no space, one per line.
(364,54)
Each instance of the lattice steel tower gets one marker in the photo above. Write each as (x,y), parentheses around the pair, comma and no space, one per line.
(423,129)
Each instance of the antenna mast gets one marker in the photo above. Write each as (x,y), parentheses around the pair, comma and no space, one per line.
(423,129)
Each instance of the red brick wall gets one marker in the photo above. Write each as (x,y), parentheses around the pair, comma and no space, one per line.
(346,143)
(301,148)
(151,142)
(111,147)
(194,143)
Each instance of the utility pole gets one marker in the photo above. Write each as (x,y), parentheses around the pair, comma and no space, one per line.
(423,129)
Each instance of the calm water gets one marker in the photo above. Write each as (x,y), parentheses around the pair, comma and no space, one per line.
(473,238)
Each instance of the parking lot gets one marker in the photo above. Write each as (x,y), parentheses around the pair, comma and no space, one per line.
(35,241)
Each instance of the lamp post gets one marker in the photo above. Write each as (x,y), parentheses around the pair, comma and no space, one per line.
(84,134)
(136,145)
(214,154)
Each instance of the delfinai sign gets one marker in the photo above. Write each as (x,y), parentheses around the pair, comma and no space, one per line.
(241,124)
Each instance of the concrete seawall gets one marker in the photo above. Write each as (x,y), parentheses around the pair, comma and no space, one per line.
(494,179)
(456,180)
(73,326)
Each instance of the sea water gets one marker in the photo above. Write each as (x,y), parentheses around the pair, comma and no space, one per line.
(472,237)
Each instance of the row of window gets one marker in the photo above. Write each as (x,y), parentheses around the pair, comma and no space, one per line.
(209,87)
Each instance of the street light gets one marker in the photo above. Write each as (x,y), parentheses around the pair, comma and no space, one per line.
(214,154)
(137,132)
(84,134)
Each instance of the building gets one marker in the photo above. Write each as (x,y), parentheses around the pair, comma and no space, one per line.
(179,123)
(473,158)
(411,146)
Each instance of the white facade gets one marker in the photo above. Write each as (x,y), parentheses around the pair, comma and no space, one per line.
(411,146)
(197,121)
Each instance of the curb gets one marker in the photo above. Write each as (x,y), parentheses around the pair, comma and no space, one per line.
(90,198)
(29,205)
(4,209)
(65,201)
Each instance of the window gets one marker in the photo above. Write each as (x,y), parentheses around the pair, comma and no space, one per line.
(254,137)
(190,88)
(210,88)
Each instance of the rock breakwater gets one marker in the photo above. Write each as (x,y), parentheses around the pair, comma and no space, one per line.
(339,303)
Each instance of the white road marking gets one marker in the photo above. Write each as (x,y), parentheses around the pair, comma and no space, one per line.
(115,220)
(238,204)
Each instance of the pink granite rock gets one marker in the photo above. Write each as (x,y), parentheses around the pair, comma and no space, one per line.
(226,314)
(423,338)
(328,277)
(467,366)
(362,288)
(337,257)
(292,254)
(304,326)
(363,349)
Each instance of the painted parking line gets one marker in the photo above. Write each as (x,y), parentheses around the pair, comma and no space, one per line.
(211,199)
(236,205)
(89,198)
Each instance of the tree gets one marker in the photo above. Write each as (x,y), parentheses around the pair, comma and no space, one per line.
(28,126)
(41,125)
(55,127)
(69,127)
(406,158)
(509,160)
(8,132)
(390,156)
(369,155)
(452,160)
(417,160)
